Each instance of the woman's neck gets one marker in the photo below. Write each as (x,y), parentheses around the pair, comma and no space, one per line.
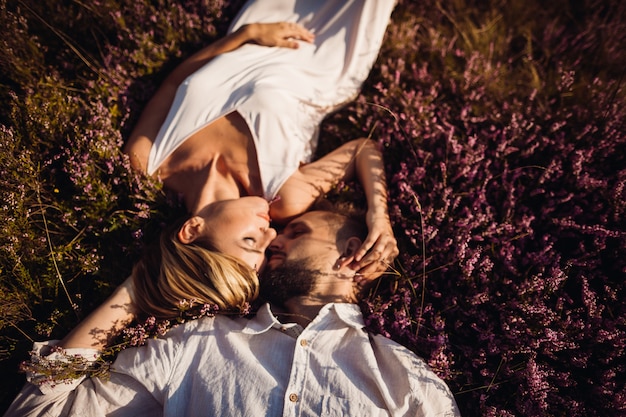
(216,163)
(209,186)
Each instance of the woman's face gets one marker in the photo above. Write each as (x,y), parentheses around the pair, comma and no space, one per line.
(241,228)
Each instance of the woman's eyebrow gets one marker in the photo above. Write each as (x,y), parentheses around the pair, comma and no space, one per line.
(251,250)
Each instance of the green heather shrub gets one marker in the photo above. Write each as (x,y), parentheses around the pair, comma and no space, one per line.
(503,130)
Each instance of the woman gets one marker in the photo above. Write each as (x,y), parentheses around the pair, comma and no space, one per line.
(216,272)
(238,121)
(240,118)
(235,122)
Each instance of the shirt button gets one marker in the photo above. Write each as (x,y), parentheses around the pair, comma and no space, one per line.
(303,343)
(293,397)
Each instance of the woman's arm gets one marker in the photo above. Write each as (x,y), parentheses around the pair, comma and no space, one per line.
(281,34)
(356,159)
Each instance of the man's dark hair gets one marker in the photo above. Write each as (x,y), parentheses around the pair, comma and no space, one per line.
(350,219)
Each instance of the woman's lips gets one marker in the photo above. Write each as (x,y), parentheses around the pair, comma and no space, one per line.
(265,216)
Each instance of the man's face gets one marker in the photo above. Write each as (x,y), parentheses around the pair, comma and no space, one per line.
(309,240)
(299,259)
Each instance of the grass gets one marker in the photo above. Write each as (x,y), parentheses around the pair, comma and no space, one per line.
(502,125)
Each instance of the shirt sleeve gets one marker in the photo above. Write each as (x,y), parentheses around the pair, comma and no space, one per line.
(409,383)
(433,394)
(154,363)
(119,394)
(60,364)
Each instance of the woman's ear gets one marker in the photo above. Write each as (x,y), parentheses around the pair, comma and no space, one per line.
(190,230)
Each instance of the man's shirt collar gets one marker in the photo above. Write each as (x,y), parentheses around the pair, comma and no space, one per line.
(264,320)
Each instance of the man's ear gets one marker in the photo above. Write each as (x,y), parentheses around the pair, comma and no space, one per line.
(190,230)
(351,246)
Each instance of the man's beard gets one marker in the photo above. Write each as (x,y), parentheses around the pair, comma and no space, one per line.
(291,279)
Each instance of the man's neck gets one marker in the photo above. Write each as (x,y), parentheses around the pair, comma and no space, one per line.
(302,310)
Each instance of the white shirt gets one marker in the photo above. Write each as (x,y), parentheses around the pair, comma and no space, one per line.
(249,367)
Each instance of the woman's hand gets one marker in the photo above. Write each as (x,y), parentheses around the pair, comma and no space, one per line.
(377,252)
(282,34)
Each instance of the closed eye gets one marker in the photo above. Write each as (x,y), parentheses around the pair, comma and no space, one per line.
(297,232)
(296,228)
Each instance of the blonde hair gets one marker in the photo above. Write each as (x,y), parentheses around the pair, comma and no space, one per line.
(172,273)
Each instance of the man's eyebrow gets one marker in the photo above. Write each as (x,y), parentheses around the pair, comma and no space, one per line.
(296,223)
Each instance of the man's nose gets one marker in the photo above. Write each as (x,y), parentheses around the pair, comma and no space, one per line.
(277,243)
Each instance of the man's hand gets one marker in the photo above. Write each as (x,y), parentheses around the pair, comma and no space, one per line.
(281,34)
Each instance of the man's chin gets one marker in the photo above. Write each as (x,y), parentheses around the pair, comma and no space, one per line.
(284,279)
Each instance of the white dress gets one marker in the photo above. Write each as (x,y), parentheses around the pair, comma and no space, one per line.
(282,94)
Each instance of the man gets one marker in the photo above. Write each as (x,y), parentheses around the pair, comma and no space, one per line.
(337,367)
(305,353)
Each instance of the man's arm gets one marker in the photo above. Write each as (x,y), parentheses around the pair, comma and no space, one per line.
(58,395)
(73,391)
(121,395)
(105,322)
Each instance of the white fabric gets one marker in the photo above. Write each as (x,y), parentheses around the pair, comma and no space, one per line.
(43,353)
(240,367)
(282,94)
